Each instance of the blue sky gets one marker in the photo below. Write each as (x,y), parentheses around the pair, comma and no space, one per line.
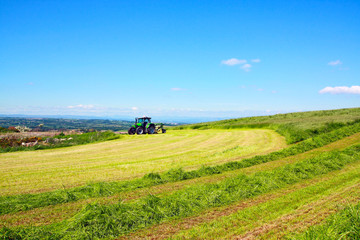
(178,58)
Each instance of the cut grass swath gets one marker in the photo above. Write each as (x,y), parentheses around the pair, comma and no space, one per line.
(9,204)
(342,225)
(128,158)
(57,213)
(251,217)
(100,221)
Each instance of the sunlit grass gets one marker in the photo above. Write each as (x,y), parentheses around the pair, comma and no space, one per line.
(129,157)
(287,205)
(191,172)
(100,221)
(343,225)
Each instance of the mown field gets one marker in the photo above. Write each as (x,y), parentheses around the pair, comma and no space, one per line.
(253,178)
(129,157)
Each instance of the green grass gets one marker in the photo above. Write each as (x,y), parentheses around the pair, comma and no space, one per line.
(106,169)
(128,158)
(57,213)
(100,221)
(343,225)
(24,202)
(295,127)
(265,220)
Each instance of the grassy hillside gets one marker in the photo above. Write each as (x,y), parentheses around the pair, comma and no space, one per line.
(295,127)
(227,179)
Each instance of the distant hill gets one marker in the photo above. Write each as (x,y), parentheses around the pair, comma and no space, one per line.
(65,123)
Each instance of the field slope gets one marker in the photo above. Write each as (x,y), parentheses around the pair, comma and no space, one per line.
(129,157)
(254,178)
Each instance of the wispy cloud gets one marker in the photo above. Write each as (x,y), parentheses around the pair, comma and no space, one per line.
(246,67)
(177,89)
(81,106)
(334,63)
(233,61)
(341,90)
(134,108)
(243,62)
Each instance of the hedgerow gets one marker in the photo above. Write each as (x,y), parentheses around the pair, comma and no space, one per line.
(104,221)
(76,139)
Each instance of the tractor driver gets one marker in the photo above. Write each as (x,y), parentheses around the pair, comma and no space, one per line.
(145,123)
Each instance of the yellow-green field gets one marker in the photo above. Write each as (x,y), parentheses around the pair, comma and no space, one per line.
(129,157)
(255,186)
(57,213)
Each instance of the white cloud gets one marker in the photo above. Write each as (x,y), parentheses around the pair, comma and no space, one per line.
(81,106)
(177,89)
(233,61)
(134,108)
(334,63)
(341,90)
(246,67)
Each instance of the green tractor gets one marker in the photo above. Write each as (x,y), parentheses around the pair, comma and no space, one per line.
(144,125)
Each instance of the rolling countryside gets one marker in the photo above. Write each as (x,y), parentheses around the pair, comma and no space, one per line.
(289,176)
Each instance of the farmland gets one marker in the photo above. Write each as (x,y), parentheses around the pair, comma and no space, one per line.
(251,178)
(65,123)
(129,157)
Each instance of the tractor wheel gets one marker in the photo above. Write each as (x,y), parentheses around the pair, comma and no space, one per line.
(131,131)
(139,130)
(163,130)
(151,130)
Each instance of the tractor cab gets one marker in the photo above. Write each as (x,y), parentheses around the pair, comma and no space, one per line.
(142,120)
